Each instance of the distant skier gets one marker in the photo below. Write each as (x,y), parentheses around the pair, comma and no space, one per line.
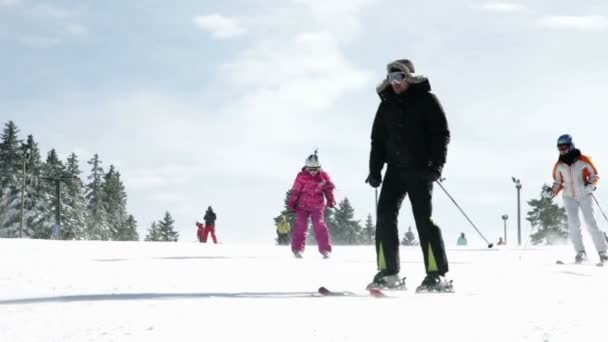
(310,189)
(200,231)
(462,240)
(410,134)
(283,229)
(576,174)
(209,218)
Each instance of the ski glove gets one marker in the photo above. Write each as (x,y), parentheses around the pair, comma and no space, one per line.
(590,188)
(331,204)
(374,180)
(547,193)
(433,173)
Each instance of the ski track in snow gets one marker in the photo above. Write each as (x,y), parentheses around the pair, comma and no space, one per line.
(124,291)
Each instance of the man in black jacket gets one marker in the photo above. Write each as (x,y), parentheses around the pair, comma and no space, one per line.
(410,134)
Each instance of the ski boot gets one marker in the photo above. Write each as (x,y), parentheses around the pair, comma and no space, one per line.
(297,255)
(434,282)
(580,257)
(384,281)
(603,257)
(326,254)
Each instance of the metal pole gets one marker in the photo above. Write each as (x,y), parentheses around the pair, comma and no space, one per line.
(519,214)
(505,231)
(58,211)
(376,203)
(22,199)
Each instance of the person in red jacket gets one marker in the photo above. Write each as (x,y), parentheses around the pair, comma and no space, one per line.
(210,218)
(200,231)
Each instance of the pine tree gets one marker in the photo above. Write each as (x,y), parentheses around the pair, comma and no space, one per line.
(550,220)
(347,229)
(11,170)
(153,234)
(53,171)
(36,199)
(115,203)
(166,231)
(369,231)
(75,206)
(409,239)
(97,227)
(129,233)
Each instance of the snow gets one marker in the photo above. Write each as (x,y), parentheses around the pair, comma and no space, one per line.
(144,291)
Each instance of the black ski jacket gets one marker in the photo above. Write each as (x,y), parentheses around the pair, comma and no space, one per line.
(410,130)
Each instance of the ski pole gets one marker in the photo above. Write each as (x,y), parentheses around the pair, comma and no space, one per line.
(490,245)
(599,206)
(376,202)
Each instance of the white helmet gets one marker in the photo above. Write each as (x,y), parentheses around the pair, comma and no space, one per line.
(312,160)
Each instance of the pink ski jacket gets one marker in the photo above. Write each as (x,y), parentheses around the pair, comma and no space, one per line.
(309,192)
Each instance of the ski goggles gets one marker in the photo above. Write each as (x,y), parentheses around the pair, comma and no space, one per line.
(397,77)
(563,148)
(313,169)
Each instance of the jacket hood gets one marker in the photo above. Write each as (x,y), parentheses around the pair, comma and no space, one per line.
(405,66)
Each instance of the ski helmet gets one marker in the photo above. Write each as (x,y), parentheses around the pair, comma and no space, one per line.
(313,160)
(566,139)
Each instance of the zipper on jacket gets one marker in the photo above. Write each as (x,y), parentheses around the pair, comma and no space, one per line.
(572,180)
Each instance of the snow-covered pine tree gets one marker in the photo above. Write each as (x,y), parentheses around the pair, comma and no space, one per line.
(549,219)
(347,229)
(369,230)
(52,170)
(153,234)
(11,176)
(97,227)
(75,206)
(409,239)
(115,202)
(166,230)
(129,233)
(37,200)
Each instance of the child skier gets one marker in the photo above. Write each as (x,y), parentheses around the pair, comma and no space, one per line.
(310,189)
(576,174)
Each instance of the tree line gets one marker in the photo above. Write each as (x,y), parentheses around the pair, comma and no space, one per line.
(35,193)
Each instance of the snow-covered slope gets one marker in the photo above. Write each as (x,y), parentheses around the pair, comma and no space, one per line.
(112,291)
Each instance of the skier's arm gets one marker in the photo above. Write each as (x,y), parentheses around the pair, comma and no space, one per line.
(558,180)
(328,190)
(590,173)
(296,190)
(437,128)
(377,156)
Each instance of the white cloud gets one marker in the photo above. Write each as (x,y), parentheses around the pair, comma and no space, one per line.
(219,26)
(76,29)
(591,23)
(9,3)
(503,7)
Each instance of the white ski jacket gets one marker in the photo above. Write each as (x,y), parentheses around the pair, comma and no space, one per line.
(573,178)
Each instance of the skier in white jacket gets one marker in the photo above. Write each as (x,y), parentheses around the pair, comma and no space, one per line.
(577,176)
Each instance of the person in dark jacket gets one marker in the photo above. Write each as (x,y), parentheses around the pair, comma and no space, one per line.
(410,134)
(209,218)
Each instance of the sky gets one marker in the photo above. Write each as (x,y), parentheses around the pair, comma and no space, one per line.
(219,103)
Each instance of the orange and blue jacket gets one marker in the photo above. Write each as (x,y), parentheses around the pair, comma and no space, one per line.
(573,178)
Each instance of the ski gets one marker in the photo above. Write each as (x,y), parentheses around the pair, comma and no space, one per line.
(447,288)
(373,292)
(560,262)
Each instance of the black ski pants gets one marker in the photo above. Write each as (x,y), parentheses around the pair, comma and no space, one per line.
(397,184)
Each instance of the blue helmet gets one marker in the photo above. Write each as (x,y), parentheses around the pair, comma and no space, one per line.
(565,139)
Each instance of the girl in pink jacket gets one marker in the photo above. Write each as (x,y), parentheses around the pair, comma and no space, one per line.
(310,189)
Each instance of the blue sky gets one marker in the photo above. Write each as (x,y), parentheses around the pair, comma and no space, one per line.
(219,103)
